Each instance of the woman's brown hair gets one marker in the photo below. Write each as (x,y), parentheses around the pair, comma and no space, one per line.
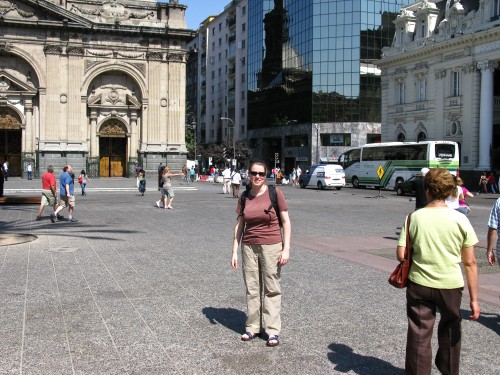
(261,163)
(440,183)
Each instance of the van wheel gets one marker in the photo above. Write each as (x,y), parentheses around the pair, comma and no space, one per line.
(355,183)
(399,180)
(320,185)
(302,185)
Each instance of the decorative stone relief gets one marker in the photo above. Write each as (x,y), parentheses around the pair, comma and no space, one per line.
(130,56)
(111,11)
(90,63)
(6,46)
(114,98)
(52,49)
(469,68)
(175,57)
(151,55)
(4,85)
(163,102)
(486,65)
(73,50)
(7,6)
(140,67)
(454,124)
(100,53)
(64,98)
(113,127)
(440,73)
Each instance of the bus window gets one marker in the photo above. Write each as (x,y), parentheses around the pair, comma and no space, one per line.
(445,151)
(354,157)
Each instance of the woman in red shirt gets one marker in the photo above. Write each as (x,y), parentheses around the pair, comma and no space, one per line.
(264,251)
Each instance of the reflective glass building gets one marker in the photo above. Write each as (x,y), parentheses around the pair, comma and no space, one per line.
(313,87)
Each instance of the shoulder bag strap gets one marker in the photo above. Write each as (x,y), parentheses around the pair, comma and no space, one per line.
(408,242)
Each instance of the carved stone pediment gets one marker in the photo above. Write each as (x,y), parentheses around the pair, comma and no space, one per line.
(10,85)
(38,10)
(113,98)
(110,11)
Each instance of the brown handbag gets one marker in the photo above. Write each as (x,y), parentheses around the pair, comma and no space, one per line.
(399,277)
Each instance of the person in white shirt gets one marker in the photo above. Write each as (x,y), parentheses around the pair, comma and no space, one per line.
(226,184)
(235,183)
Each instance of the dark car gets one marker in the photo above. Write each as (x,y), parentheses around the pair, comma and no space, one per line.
(406,187)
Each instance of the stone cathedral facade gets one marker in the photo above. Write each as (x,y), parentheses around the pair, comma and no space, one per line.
(98,84)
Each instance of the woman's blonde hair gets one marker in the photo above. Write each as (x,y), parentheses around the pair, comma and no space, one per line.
(166,170)
(440,183)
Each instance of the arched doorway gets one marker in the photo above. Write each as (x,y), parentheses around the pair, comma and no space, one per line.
(113,149)
(10,140)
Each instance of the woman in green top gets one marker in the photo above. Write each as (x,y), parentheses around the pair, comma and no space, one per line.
(441,238)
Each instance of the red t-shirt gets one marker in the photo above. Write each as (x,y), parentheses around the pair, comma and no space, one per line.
(262,228)
(48,180)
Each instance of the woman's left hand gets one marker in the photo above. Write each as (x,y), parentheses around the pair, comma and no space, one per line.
(283,258)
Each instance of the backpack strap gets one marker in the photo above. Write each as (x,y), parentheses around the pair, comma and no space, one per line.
(273,196)
(243,199)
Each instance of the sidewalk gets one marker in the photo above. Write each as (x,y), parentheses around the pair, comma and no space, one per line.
(133,289)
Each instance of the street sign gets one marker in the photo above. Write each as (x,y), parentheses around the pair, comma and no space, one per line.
(233,162)
(380,172)
(209,160)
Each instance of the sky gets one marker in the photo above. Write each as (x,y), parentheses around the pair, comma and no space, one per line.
(198,10)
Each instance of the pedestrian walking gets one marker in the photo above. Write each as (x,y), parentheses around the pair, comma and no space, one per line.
(492,233)
(82,180)
(6,169)
(299,172)
(49,193)
(226,180)
(418,187)
(167,186)
(463,205)
(184,173)
(2,178)
(293,177)
(235,183)
(142,181)
(264,251)
(440,239)
(29,169)
(66,194)
(191,174)
(491,183)
(483,183)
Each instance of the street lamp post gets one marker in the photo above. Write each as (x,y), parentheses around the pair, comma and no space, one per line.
(193,125)
(234,148)
(37,156)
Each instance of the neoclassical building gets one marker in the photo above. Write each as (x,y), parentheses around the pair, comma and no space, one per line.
(441,79)
(99,84)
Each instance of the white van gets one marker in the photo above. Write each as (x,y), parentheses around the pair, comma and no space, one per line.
(323,176)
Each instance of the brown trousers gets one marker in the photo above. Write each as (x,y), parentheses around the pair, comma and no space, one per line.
(421,306)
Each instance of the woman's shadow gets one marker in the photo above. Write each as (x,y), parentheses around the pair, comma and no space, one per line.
(346,360)
(228,317)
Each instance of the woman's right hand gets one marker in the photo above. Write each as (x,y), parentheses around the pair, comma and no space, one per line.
(234,261)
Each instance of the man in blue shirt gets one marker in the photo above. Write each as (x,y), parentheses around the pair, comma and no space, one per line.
(66,194)
(493,223)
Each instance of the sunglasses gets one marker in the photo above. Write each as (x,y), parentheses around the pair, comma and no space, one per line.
(261,174)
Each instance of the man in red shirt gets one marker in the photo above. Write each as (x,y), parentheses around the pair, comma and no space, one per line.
(49,196)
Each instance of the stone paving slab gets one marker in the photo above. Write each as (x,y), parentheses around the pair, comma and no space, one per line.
(133,289)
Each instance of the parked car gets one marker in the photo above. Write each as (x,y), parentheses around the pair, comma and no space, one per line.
(406,187)
(323,176)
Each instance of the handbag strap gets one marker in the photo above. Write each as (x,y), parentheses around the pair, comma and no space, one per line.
(408,244)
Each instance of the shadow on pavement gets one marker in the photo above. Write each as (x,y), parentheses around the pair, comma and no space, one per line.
(346,360)
(228,317)
(491,321)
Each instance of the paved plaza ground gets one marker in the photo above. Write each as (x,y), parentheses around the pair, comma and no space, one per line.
(133,289)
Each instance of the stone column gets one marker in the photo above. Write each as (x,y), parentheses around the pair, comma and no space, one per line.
(133,140)
(151,130)
(94,147)
(54,128)
(28,113)
(75,74)
(176,95)
(487,69)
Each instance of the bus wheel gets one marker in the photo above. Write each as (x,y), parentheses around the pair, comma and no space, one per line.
(399,180)
(320,185)
(355,183)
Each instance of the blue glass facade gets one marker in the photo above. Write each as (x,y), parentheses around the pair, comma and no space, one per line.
(311,61)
